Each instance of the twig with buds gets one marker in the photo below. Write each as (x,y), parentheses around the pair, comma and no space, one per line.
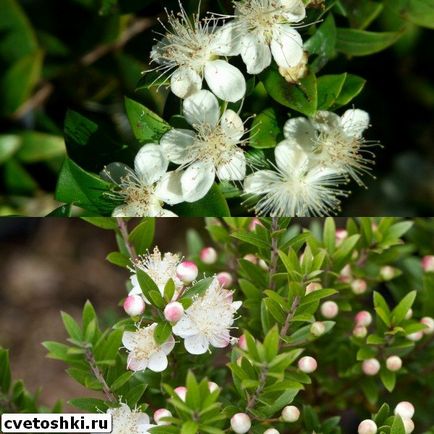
(125,236)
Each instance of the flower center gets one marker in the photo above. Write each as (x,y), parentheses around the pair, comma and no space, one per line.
(145,344)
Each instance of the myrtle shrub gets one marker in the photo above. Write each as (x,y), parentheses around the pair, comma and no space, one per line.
(271,328)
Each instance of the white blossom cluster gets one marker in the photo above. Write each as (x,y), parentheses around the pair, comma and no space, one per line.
(315,158)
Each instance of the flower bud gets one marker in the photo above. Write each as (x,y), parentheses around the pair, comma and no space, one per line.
(359,286)
(394,363)
(312,287)
(225,279)
(367,426)
(429,322)
(187,271)
(254,222)
(345,275)
(263,265)
(160,414)
(405,409)
(409,314)
(363,318)
(317,328)
(371,367)
(134,305)
(208,255)
(307,364)
(360,331)
(408,425)
(251,258)
(242,342)
(212,386)
(329,309)
(416,336)
(290,413)
(271,431)
(341,234)
(387,272)
(174,311)
(181,391)
(240,423)
(428,264)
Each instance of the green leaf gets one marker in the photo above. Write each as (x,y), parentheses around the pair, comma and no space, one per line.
(362,13)
(397,426)
(199,287)
(88,314)
(352,87)
(102,222)
(5,371)
(162,332)
(39,147)
(329,235)
(329,89)
(120,381)
(143,235)
(71,326)
(271,344)
(9,144)
(363,43)
(420,12)
(401,310)
(169,290)
(91,405)
(190,427)
(388,378)
(382,414)
(146,283)
(17,179)
(119,259)
(265,130)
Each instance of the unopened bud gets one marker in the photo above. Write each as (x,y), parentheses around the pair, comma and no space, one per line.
(329,309)
(317,328)
(240,423)
(429,322)
(161,414)
(134,305)
(312,287)
(212,386)
(363,318)
(387,272)
(208,255)
(294,74)
(242,342)
(307,364)
(174,311)
(416,336)
(408,425)
(271,431)
(225,279)
(371,367)
(428,264)
(360,331)
(255,222)
(263,265)
(346,274)
(394,363)
(290,413)
(409,314)
(187,271)
(251,258)
(405,409)
(341,234)
(181,391)
(367,426)
(359,286)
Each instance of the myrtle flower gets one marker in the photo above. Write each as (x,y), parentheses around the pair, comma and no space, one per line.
(334,142)
(209,151)
(127,421)
(190,51)
(144,352)
(297,187)
(208,320)
(263,29)
(145,190)
(159,268)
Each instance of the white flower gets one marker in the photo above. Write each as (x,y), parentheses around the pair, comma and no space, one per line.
(126,421)
(211,150)
(334,142)
(146,189)
(296,188)
(144,352)
(208,320)
(159,268)
(190,49)
(262,29)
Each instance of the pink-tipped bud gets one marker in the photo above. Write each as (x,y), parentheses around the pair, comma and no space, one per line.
(371,367)
(251,258)
(416,336)
(408,425)
(429,322)
(329,309)
(290,413)
(341,235)
(359,286)
(367,426)
(187,271)
(212,386)
(181,391)
(161,413)
(312,287)
(263,265)
(242,342)
(134,305)
(240,423)
(405,409)
(254,222)
(363,318)
(428,264)
(225,279)
(208,255)
(345,275)
(409,314)
(307,364)
(271,431)
(394,363)
(317,328)
(174,311)
(360,331)
(387,272)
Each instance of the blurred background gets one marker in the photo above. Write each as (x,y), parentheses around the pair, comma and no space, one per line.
(86,55)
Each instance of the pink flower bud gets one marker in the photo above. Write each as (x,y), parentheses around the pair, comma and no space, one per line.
(160,414)
(363,318)
(255,222)
(341,234)
(359,286)
(290,413)
(428,264)
(312,287)
(405,409)
(409,314)
(240,423)
(212,386)
(429,322)
(329,309)
(242,342)
(251,258)
(367,426)
(181,391)
(225,279)
(394,363)
(187,271)
(371,367)
(134,305)
(360,331)
(271,431)
(174,311)
(317,328)
(387,272)
(345,275)
(208,255)
(416,336)
(408,425)
(307,364)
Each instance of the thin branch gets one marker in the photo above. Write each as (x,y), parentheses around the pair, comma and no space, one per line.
(123,228)
(262,379)
(290,316)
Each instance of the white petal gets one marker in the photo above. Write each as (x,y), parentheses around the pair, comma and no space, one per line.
(227,40)
(168,346)
(236,305)
(167,213)
(144,429)
(286,46)
(354,122)
(136,364)
(235,169)
(325,121)
(301,131)
(185,82)
(169,188)
(175,145)
(291,157)
(150,164)
(184,327)
(128,340)
(202,108)
(225,81)
(221,341)
(295,10)
(142,418)
(126,210)
(261,182)
(197,344)
(197,180)
(232,125)
(255,52)
(158,362)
